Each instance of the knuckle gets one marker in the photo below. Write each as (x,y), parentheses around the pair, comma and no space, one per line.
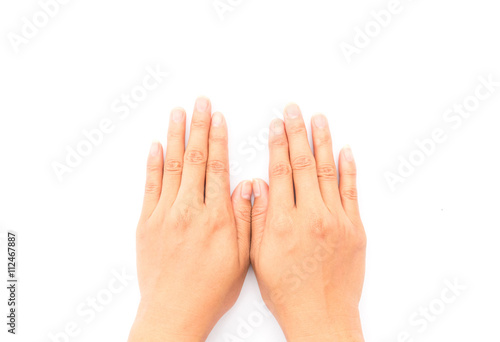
(294,130)
(303,163)
(327,172)
(218,139)
(195,157)
(349,193)
(152,188)
(199,123)
(217,166)
(175,135)
(355,239)
(281,169)
(154,168)
(351,172)
(278,141)
(173,166)
(184,214)
(318,224)
(323,140)
(345,236)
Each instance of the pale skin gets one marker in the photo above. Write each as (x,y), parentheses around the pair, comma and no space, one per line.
(303,236)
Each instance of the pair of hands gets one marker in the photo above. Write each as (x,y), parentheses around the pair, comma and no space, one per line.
(303,235)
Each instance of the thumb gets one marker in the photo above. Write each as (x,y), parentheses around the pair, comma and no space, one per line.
(259,213)
(242,208)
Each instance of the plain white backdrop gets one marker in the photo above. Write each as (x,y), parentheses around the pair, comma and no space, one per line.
(405,76)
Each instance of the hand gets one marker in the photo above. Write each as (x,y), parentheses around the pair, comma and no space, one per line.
(308,246)
(193,238)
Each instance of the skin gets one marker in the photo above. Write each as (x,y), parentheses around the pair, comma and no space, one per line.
(308,241)
(193,239)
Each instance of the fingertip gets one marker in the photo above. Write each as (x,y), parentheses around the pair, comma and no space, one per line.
(347,154)
(246,190)
(202,104)
(178,115)
(260,188)
(347,167)
(277,127)
(218,119)
(256,188)
(319,121)
(292,111)
(153,150)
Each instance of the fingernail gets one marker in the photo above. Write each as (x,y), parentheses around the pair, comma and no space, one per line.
(246,190)
(277,126)
(177,115)
(319,121)
(348,153)
(292,111)
(201,104)
(217,119)
(256,187)
(155,148)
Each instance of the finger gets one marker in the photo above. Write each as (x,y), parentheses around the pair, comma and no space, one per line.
(259,214)
(242,208)
(192,187)
(172,170)
(154,174)
(302,160)
(348,189)
(325,163)
(217,186)
(280,171)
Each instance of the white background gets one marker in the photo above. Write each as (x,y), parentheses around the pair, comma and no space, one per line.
(440,224)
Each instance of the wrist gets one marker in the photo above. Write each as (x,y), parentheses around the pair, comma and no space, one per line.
(155,322)
(320,326)
(346,336)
